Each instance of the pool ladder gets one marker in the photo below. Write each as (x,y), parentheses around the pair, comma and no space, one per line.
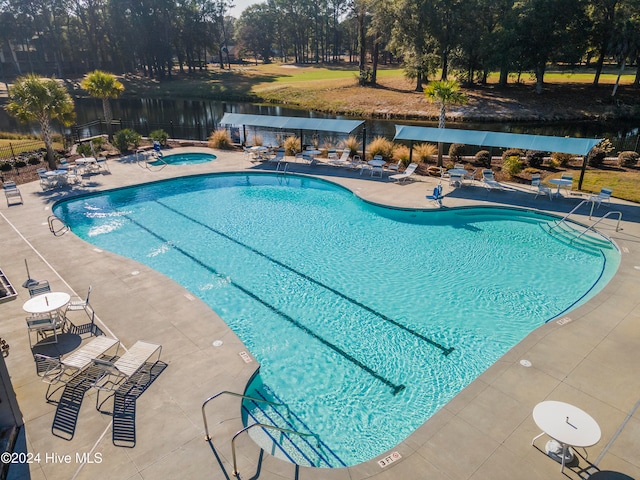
(319,446)
(57,226)
(591,227)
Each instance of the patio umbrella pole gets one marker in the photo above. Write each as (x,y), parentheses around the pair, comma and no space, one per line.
(29,281)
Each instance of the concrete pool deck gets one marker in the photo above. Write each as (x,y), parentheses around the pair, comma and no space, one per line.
(588,358)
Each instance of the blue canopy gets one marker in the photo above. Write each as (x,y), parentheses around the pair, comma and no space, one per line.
(291,123)
(544,143)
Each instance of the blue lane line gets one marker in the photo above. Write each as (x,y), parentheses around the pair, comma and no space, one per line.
(395,388)
(445,350)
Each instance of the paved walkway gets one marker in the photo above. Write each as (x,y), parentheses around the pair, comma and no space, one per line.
(589,359)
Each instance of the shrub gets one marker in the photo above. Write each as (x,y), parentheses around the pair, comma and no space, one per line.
(33,160)
(220,138)
(291,145)
(423,152)
(352,144)
(20,164)
(256,141)
(596,157)
(84,149)
(512,165)
(159,136)
(534,158)
(628,159)
(456,150)
(561,159)
(512,152)
(5,167)
(401,154)
(553,162)
(125,138)
(381,146)
(483,157)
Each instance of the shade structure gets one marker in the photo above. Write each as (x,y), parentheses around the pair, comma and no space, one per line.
(544,143)
(291,123)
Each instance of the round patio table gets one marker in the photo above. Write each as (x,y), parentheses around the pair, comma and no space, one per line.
(567,425)
(46,302)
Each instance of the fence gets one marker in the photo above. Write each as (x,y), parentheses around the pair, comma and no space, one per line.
(20,150)
(199,131)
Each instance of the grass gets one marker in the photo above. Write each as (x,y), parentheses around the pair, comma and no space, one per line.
(624,183)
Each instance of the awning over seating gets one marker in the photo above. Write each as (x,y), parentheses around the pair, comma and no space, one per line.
(544,143)
(291,123)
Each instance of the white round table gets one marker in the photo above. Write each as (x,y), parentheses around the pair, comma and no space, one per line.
(560,182)
(566,424)
(46,302)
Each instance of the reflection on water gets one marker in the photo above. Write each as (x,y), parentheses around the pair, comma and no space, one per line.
(195,119)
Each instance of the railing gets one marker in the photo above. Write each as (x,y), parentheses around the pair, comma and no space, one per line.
(149,156)
(234,394)
(57,231)
(563,219)
(592,226)
(263,425)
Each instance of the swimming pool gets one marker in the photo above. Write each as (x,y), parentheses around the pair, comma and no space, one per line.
(365,320)
(190,158)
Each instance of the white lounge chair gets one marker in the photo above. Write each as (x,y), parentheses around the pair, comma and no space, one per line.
(489,181)
(115,374)
(12,192)
(342,161)
(603,196)
(61,371)
(401,177)
(437,195)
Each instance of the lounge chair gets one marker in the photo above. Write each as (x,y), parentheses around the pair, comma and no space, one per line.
(470,177)
(408,173)
(342,161)
(12,192)
(489,182)
(603,196)
(437,195)
(124,369)
(56,371)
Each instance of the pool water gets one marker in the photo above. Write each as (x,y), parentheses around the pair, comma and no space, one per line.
(365,320)
(190,158)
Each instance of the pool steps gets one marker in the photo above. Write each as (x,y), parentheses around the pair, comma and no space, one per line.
(304,448)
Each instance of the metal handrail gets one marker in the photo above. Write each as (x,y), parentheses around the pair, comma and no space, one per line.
(263,425)
(591,227)
(145,160)
(234,394)
(60,231)
(570,213)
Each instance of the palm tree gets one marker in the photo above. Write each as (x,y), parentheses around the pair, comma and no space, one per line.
(42,99)
(444,92)
(103,85)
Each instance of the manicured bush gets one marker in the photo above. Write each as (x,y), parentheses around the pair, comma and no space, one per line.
(33,160)
(596,157)
(160,136)
(5,167)
(512,165)
(534,158)
(456,150)
(219,138)
(291,145)
(423,152)
(125,138)
(512,152)
(483,158)
(20,164)
(560,159)
(628,159)
(381,146)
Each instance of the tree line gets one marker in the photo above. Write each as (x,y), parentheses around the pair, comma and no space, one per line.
(467,39)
